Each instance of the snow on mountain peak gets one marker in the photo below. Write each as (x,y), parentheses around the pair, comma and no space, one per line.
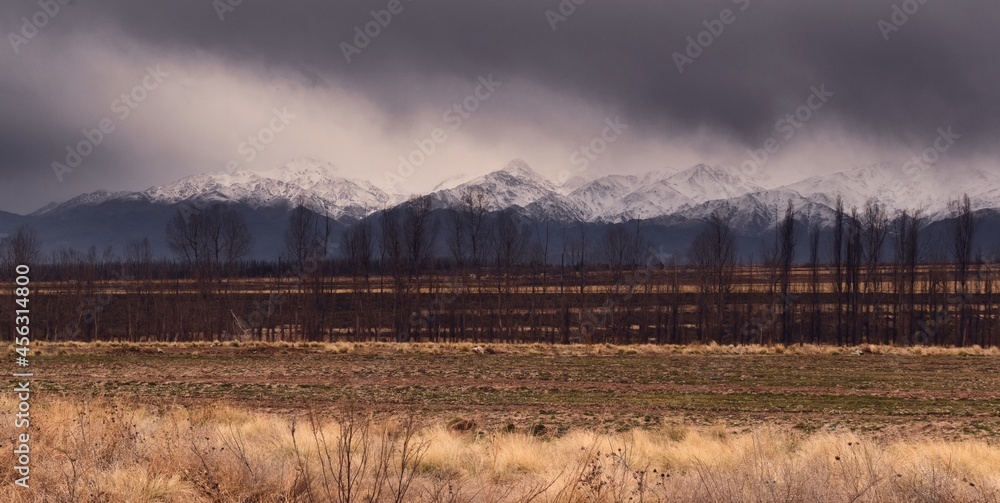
(573,183)
(519,168)
(515,185)
(689,194)
(303,171)
(706,183)
(308,181)
(451,182)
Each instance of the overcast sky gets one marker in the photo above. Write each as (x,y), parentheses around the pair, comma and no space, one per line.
(215,76)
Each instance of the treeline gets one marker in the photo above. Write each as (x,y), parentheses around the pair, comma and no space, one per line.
(871,281)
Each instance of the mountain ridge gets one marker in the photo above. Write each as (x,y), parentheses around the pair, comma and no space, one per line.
(672,204)
(692,193)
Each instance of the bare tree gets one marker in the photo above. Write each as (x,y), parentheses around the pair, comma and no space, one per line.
(838,266)
(539,262)
(138,264)
(459,243)
(359,248)
(302,236)
(307,241)
(138,258)
(786,254)
(963,234)
(419,235)
(393,258)
(906,245)
(509,242)
(815,321)
(622,252)
(852,274)
(875,228)
(20,248)
(713,252)
(237,241)
(211,240)
(468,247)
(473,213)
(184,237)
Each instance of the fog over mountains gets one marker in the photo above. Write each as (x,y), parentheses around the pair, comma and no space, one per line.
(670,205)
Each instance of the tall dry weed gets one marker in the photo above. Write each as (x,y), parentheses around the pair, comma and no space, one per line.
(104,450)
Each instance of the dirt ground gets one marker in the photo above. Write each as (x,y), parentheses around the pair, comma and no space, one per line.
(948,396)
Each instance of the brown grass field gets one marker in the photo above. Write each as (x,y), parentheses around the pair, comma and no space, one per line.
(463,422)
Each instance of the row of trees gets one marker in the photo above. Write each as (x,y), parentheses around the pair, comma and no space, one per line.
(390,282)
(857,296)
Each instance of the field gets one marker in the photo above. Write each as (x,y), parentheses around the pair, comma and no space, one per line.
(518,422)
(947,392)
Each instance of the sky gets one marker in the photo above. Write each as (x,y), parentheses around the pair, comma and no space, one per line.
(124,95)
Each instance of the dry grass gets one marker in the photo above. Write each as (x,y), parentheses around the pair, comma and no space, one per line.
(102,450)
(529,349)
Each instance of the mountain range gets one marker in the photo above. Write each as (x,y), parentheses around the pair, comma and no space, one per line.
(670,203)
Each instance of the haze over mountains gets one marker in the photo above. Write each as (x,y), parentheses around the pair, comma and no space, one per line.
(671,203)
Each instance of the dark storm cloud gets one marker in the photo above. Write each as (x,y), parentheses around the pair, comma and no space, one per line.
(938,68)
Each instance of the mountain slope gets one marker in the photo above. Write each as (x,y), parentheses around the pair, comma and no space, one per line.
(599,196)
(658,193)
(515,186)
(302,182)
(707,183)
(672,203)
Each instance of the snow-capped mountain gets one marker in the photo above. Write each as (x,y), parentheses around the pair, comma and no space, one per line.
(689,194)
(306,181)
(659,193)
(571,184)
(597,197)
(897,188)
(89,199)
(452,181)
(517,185)
(858,185)
(704,183)
(648,201)
(673,203)
(759,211)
